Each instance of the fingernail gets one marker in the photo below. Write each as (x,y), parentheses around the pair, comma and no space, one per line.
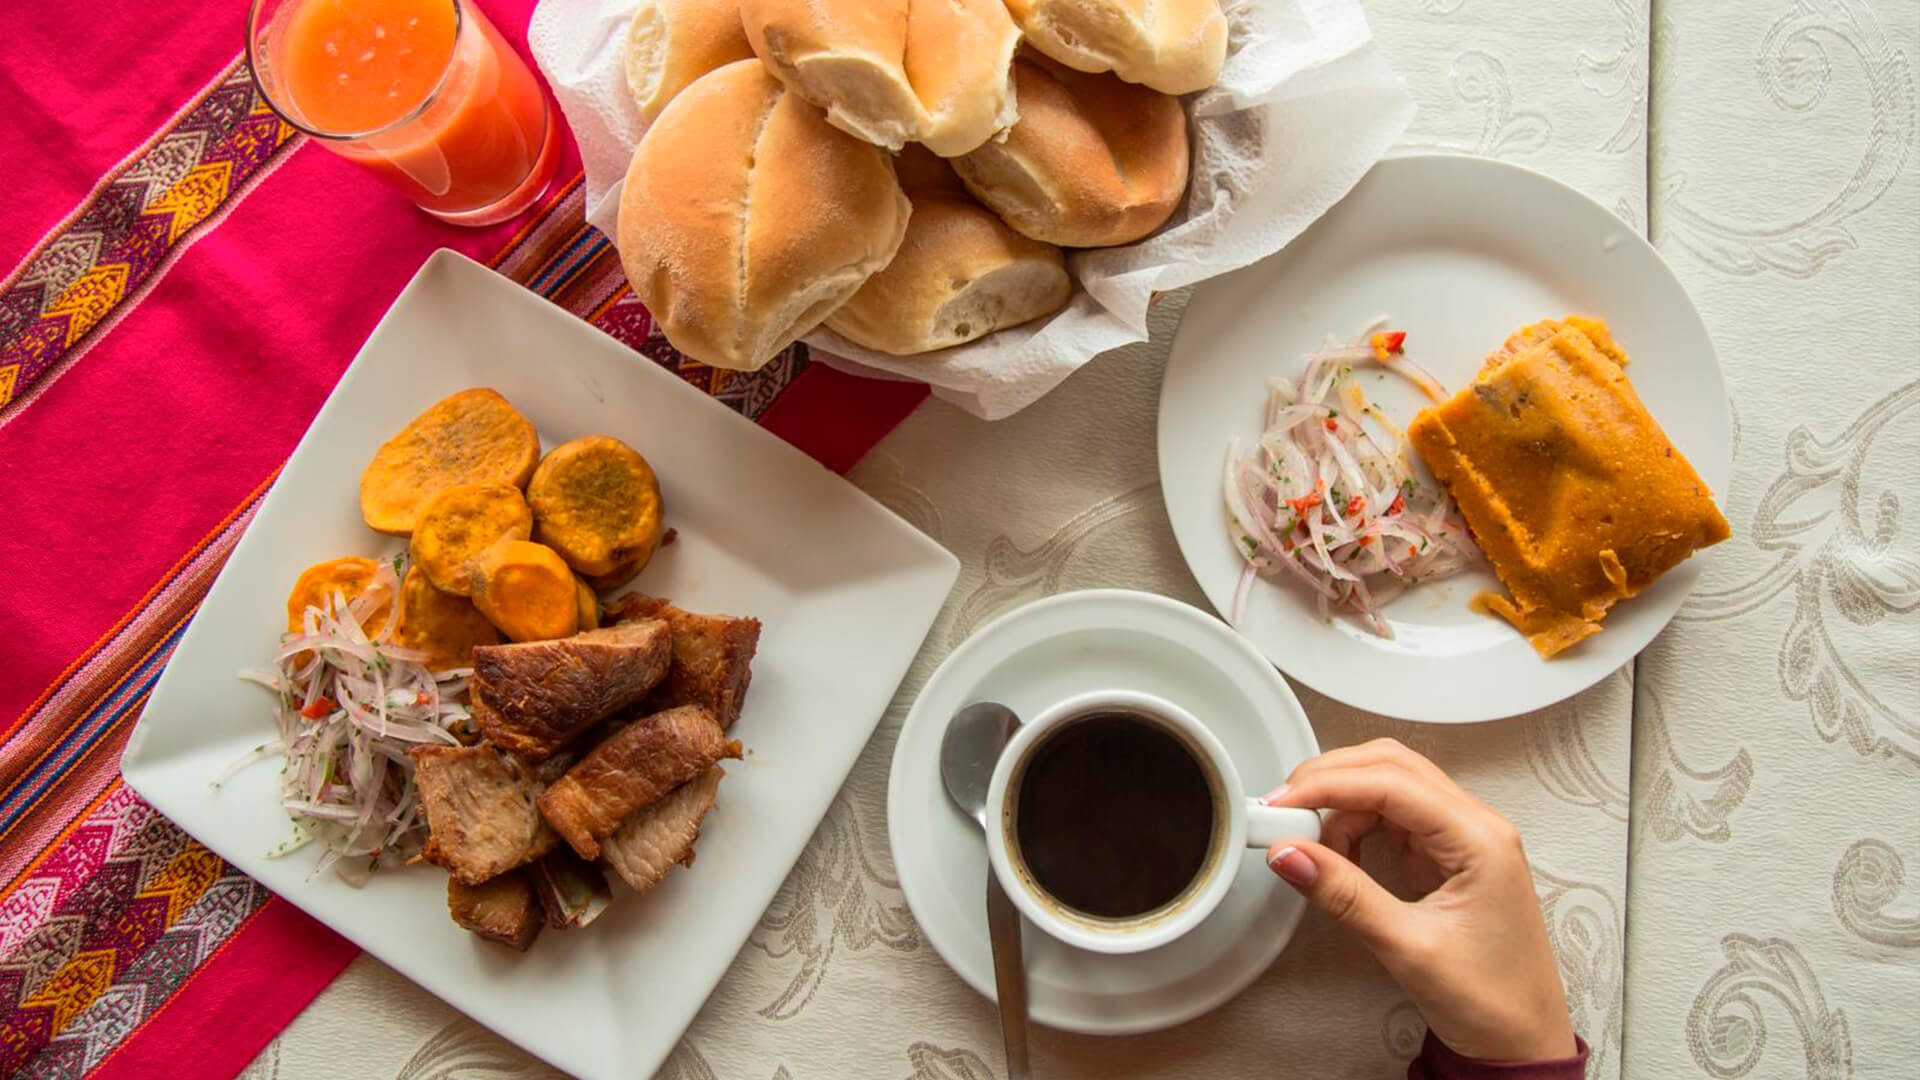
(1293,865)
(1274,796)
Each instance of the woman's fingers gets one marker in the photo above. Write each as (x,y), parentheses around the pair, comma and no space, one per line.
(1377,752)
(1399,840)
(1343,830)
(1344,893)
(1415,803)
(1423,875)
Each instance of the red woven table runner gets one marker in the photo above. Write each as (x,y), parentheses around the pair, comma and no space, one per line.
(185,280)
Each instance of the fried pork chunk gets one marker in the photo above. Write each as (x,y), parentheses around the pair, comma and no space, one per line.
(647,846)
(535,697)
(503,909)
(482,820)
(572,891)
(712,656)
(632,768)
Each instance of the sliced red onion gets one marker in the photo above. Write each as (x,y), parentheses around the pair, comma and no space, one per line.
(348,781)
(1353,561)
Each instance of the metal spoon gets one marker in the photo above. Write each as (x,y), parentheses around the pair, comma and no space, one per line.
(968,753)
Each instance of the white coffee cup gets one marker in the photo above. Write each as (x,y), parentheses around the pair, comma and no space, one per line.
(1240,821)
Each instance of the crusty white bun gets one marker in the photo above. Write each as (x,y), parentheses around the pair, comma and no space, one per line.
(1174,46)
(894,71)
(670,43)
(960,274)
(959,58)
(746,218)
(921,170)
(1092,162)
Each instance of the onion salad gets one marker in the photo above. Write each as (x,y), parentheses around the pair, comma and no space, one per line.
(349,706)
(1333,502)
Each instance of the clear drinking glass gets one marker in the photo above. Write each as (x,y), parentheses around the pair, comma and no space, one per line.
(424,93)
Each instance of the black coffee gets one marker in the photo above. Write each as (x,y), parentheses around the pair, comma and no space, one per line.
(1114,816)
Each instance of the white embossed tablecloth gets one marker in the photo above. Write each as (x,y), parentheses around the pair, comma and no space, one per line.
(1774,788)
(1775,889)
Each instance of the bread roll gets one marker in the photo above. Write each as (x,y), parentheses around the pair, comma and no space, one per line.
(670,43)
(1174,46)
(960,274)
(921,170)
(893,71)
(746,219)
(959,58)
(1093,161)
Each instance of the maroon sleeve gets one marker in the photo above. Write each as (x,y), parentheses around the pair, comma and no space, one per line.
(1438,1062)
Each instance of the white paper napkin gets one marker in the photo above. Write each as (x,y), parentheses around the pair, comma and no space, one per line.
(1304,107)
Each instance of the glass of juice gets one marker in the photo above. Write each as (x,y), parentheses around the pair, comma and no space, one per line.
(423,92)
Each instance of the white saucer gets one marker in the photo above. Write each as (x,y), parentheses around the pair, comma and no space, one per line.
(1458,252)
(1028,659)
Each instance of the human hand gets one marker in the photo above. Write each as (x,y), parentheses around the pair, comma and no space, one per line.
(1473,952)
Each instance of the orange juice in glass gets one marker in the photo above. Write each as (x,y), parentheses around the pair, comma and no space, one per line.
(425,93)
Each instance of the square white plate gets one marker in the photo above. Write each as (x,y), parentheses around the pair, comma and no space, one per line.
(845,590)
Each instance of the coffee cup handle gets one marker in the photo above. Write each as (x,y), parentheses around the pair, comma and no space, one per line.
(1268,825)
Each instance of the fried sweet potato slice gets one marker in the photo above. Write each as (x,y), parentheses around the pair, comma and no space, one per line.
(619,576)
(527,591)
(345,578)
(596,502)
(444,626)
(460,523)
(472,437)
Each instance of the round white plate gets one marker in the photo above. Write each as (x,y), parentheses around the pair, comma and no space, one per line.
(1458,252)
(1033,657)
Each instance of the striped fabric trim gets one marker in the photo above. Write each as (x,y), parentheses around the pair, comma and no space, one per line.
(84,703)
(68,749)
(131,229)
(566,194)
(82,676)
(271,968)
(533,242)
(117,917)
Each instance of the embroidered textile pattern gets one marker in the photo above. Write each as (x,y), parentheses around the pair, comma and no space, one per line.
(119,241)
